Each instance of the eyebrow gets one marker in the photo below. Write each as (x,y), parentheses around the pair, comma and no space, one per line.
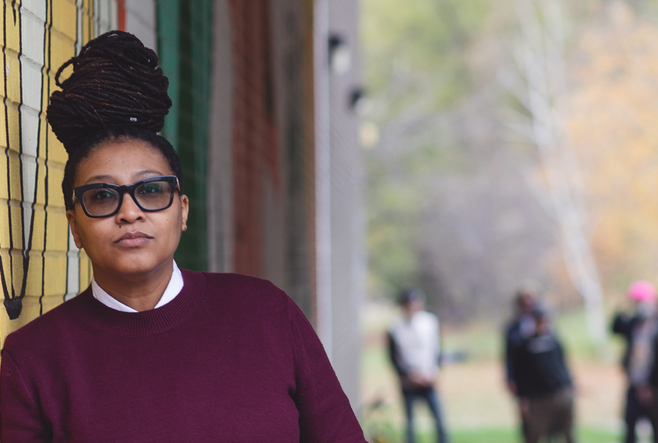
(109,178)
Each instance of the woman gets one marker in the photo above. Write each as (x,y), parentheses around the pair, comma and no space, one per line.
(150,352)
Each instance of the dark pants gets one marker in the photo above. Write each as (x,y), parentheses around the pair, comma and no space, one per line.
(635,411)
(524,424)
(432,400)
(550,414)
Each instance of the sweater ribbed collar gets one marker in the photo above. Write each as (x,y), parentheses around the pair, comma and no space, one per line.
(136,324)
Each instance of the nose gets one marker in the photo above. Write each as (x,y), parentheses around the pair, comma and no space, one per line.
(129,212)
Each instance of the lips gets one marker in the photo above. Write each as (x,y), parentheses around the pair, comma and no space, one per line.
(133,239)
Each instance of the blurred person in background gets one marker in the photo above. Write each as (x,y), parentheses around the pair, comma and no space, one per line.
(414,352)
(639,331)
(543,382)
(518,329)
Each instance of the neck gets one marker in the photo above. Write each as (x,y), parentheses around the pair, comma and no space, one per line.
(141,292)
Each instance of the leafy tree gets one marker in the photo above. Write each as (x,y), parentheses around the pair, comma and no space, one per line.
(451,193)
(615,92)
(416,66)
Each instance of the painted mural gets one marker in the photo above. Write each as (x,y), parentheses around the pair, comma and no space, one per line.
(40,266)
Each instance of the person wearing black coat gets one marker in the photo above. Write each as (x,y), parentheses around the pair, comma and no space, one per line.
(638,330)
(543,382)
(518,329)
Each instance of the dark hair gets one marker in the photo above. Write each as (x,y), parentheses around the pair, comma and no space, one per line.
(115,93)
(409,295)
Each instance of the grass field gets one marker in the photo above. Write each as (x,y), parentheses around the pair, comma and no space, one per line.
(477,408)
(506,435)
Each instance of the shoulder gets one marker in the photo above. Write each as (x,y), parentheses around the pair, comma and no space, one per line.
(236,282)
(61,320)
(241,293)
(241,287)
(428,318)
(425,314)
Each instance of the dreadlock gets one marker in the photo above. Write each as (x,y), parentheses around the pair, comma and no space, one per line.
(115,93)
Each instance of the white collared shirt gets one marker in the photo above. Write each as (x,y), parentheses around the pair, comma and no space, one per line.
(173,289)
(417,339)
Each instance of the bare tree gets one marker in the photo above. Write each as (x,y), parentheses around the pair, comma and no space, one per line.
(540,84)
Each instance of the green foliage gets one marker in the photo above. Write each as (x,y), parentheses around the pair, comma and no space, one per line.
(503,435)
(483,341)
(492,435)
(422,60)
(391,231)
(418,47)
(480,342)
(571,327)
(489,435)
(416,60)
(646,8)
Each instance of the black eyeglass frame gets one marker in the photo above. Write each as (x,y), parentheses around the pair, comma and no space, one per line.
(130,189)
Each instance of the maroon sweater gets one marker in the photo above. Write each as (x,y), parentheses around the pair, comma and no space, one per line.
(230,359)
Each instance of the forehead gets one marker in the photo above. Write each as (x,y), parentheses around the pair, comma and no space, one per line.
(123,161)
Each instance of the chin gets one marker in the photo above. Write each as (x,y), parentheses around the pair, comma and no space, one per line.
(132,267)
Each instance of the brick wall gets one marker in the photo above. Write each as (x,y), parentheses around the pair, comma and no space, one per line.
(272,149)
(255,160)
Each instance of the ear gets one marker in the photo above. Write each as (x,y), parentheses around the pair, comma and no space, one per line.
(70,216)
(185,209)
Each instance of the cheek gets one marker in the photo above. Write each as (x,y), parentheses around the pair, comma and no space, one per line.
(92,235)
(170,228)
(168,224)
(174,222)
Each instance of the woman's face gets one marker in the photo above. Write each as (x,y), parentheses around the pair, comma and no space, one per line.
(131,242)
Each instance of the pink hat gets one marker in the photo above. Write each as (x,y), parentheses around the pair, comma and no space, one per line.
(642,290)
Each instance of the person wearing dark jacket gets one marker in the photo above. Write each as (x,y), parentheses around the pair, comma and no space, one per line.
(639,331)
(543,382)
(519,328)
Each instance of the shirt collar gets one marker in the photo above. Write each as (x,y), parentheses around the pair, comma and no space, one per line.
(173,289)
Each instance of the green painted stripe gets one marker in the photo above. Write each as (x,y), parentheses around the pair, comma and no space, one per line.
(185,47)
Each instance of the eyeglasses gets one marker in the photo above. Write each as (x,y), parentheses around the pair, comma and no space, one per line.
(152,194)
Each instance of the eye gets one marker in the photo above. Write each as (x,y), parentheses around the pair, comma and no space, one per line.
(150,188)
(103,194)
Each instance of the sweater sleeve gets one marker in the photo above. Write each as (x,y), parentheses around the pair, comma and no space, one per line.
(325,414)
(20,417)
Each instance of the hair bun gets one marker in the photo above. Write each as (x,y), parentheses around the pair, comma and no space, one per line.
(115,82)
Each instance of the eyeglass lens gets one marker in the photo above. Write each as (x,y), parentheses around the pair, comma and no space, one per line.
(150,196)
